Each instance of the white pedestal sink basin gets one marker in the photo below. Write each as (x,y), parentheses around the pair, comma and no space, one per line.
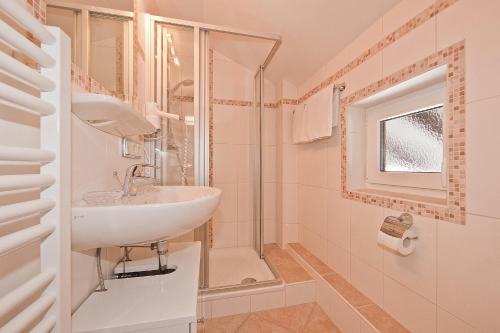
(156,213)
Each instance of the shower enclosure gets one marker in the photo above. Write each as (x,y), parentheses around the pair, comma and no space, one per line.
(210,82)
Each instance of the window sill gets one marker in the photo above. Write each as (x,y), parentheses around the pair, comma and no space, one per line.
(404,196)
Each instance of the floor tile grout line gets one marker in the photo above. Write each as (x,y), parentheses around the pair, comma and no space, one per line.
(309,317)
(242,323)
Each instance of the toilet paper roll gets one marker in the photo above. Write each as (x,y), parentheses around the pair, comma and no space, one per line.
(404,245)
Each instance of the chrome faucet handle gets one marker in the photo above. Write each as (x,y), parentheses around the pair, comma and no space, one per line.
(128,182)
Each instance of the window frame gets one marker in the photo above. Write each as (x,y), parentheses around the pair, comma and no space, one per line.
(412,102)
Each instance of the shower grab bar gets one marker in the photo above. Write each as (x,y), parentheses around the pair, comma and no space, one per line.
(49,291)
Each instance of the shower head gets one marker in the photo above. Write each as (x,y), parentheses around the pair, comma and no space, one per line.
(185,83)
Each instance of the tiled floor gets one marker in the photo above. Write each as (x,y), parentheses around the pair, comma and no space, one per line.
(289,270)
(304,318)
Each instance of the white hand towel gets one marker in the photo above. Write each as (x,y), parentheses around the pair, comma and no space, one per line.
(319,114)
(315,119)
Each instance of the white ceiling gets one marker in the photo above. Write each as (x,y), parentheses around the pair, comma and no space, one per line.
(313,31)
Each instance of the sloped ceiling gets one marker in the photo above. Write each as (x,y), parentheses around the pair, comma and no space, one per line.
(313,31)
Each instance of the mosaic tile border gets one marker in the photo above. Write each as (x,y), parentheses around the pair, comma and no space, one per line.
(454,210)
(221,101)
(86,82)
(210,227)
(39,9)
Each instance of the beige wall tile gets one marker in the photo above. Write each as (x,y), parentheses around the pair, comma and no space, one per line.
(476,20)
(228,207)
(367,279)
(343,315)
(339,260)
(226,124)
(338,217)
(368,72)
(245,202)
(365,224)
(290,164)
(446,322)
(290,202)
(270,231)
(300,293)
(225,163)
(312,167)
(418,270)
(230,306)
(244,169)
(312,210)
(414,46)
(412,310)
(266,301)
(402,12)
(269,164)
(333,160)
(290,233)
(245,234)
(315,243)
(225,235)
(468,271)
(269,127)
(483,163)
(269,201)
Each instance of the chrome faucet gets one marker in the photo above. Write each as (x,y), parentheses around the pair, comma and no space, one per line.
(129,187)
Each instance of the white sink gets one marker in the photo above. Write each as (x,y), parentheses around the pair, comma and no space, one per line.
(156,213)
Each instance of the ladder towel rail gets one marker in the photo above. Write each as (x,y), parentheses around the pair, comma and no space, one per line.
(17,154)
(45,326)
(29,315)
(20,71)
(24,100)
(23,182)
(24,18)
(22,293)
(13,38)
(49,291)
(26,208)
(19,239)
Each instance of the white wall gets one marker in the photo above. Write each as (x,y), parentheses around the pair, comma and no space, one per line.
(452,282)
(94,157)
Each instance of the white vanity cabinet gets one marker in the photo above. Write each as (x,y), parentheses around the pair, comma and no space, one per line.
(152,304)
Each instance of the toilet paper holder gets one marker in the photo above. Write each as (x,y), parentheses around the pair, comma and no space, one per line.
(396,226)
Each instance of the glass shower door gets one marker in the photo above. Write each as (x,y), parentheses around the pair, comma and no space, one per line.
(175,97)
(256,162)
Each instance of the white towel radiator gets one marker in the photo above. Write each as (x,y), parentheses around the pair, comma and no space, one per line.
(43,303)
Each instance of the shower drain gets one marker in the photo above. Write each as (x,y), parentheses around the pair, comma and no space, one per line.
(248,280)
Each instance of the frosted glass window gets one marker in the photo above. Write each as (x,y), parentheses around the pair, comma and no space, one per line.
(412,142)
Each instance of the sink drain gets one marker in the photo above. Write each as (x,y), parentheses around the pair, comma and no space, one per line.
(248,280)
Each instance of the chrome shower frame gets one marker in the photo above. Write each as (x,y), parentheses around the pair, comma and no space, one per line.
(201,113)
